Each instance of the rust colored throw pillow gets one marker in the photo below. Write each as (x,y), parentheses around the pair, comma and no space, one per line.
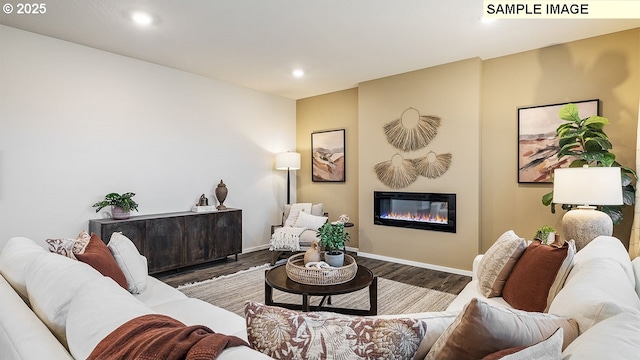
(288,334)
(481,329)
(538,276)
(100,258)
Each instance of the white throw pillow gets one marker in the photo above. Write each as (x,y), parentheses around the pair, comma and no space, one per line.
(295,211)
(15,256)
(52,281)
(497,263)
(132,264)
(308,221)
(96,310)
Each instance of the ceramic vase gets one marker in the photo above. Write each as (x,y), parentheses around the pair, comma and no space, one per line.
(221,195)
(313,254)
(334,260)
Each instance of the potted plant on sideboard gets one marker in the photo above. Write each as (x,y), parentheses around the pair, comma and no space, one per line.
(121,205)
(332,238)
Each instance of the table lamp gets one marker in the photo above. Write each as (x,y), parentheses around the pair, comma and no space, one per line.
(587,186)
(288,161)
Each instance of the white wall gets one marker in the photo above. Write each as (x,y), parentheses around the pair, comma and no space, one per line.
(77,123)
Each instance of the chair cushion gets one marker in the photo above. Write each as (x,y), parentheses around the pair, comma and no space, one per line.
(293,213)
(310,222)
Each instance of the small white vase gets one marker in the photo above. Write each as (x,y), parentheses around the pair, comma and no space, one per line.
(118,213)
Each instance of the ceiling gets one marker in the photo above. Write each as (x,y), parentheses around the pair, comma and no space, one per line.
(339,43)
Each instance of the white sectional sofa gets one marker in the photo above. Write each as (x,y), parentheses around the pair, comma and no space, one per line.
(54,307)
(59,308)
(601,292)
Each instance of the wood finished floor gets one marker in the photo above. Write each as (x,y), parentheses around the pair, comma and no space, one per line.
(437,280)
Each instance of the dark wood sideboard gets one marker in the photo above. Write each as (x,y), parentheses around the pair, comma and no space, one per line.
(176,240)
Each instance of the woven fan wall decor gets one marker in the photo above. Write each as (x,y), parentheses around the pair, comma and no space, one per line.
(397,172)
(433,165)
(414,138)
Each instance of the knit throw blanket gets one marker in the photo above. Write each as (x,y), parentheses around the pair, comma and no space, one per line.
(159,337)
(286,238)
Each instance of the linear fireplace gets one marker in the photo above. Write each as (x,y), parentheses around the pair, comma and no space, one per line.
(427,211)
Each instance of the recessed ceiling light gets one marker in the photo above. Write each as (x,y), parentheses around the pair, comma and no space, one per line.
(298,73)
(141,18)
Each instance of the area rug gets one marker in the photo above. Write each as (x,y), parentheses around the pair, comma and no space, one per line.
(232,291)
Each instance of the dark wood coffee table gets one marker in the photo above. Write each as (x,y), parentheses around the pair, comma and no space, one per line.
(276,278)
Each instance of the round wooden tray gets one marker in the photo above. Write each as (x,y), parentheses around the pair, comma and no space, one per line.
(314,276)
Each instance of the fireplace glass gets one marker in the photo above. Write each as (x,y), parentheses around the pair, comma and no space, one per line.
(427,211)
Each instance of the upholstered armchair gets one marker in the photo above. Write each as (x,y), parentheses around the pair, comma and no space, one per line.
(297,230)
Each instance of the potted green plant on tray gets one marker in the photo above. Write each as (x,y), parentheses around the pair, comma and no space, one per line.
(332,238)
(122,205)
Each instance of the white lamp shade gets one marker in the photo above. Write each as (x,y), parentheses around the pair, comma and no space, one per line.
(288,161)
(587,186)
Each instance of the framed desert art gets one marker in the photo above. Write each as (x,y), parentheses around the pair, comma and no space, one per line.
(538,145)
(328,156)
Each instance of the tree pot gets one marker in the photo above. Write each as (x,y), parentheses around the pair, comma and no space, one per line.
(334,260)
(119,213)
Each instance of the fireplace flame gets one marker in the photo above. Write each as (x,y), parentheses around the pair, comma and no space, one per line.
(429,218)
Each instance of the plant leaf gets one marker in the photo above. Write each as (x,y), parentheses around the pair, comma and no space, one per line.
(570,113)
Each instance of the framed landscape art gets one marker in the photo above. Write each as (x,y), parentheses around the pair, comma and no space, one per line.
(328,156)
(537,141)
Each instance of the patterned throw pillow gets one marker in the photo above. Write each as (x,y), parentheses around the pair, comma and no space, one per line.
(69,247)
(497,263)
(288,334)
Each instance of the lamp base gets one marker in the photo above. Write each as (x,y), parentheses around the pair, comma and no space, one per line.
(585,224)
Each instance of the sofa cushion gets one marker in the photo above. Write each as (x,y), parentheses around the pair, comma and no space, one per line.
(549,349)
(610,247)
(636,269)
(15,256)
(98,308)
(310,222)
(157,292)
(596,290)
(538,276)
(498,262)
(52,281)
(288,334)
(197,312)
(613,338)
(100,258)
(472,291)
(481,329)
(132,264)
(22,334)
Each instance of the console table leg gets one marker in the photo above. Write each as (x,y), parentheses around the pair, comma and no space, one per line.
(373,296)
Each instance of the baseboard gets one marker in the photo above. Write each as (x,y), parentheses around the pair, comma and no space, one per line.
(255,248)
(417,264)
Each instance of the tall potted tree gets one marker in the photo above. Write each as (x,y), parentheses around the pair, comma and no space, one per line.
(332,238)
(121,205)
(586,141)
